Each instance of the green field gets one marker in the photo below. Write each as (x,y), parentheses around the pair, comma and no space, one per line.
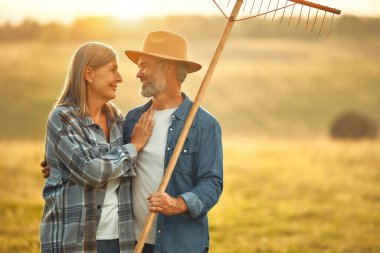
(279,196)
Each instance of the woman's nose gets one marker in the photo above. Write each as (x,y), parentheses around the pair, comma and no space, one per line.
(119,78)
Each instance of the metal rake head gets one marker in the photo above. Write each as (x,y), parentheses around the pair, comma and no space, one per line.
(314,16)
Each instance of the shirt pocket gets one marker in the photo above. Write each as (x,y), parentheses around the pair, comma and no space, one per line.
(186,161)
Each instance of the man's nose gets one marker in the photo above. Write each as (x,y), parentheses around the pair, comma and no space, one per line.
(139,74)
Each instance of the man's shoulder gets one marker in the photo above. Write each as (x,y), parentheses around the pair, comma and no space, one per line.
(205,119)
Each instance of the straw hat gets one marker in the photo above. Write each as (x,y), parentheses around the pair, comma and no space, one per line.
(166,45)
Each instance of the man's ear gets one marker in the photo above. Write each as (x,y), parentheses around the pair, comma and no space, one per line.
(88,73)
(171,66)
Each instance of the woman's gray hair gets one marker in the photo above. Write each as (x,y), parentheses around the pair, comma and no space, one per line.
(91,54)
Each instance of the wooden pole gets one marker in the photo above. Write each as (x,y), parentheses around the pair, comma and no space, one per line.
(189,121)
(317,6)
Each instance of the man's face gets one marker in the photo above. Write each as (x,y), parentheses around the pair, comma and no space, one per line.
(151,74)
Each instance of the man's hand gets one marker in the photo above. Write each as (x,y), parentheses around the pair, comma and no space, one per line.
(45,169)
(165,204)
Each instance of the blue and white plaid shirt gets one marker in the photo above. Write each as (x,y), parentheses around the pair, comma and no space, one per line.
(81,163)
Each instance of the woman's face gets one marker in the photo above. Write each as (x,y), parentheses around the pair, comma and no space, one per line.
(104,81)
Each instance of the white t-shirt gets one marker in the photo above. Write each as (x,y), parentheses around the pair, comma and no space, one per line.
(150,170)
(108,228)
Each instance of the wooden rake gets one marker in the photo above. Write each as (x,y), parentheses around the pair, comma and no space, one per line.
(251,9)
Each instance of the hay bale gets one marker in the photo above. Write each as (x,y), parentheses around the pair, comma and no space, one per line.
(353,125)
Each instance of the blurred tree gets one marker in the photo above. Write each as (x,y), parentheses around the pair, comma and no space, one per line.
(353,125)
(193,27)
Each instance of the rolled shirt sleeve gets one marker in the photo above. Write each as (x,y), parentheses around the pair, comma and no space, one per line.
(209,173)
(194,204)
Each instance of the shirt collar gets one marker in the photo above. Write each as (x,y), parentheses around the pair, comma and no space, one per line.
(87,121)
(182,110)
(180,113)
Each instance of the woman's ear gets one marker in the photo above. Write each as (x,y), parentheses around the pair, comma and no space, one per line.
(88,72)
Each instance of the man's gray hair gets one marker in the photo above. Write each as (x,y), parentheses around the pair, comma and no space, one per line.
(181,71)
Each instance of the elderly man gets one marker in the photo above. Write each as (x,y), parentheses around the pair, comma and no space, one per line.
(197,181)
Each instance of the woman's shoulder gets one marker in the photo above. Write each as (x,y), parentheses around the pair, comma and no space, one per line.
(61,109)
(58,111)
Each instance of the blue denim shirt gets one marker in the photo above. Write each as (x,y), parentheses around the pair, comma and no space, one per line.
(197,178)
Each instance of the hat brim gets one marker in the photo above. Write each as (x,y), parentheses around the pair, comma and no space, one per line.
(134,56)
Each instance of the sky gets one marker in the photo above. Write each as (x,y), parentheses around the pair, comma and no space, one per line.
(66,11)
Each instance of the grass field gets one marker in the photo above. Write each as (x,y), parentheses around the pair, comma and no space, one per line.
(280,196)
(269,87)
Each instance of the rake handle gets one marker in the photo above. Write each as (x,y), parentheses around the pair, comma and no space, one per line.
(189,121)
(317,6)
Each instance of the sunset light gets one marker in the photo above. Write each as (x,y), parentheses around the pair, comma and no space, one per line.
(67,11)
(127,9)
(293,93)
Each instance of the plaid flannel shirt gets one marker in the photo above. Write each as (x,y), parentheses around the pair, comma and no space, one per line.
(81,163)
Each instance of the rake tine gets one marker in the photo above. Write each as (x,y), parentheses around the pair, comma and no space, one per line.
(267,9)
(245,4)
(284,11)
(291,15)
(330,25)
(315,20)
(308,17)
(299,19)
(323,21)
(276,10)
(260,6)
(252,6)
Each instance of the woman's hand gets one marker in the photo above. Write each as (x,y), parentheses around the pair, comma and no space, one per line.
(143,129)
(45,169)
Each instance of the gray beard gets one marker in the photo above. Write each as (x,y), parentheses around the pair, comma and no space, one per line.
(151,88)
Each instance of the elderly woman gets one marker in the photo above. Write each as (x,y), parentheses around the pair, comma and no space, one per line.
(87,196)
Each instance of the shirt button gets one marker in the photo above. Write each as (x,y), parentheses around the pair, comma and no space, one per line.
(159,231)
(185,151)
(168,148)
(171,129)
(98,206)
(173,116)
